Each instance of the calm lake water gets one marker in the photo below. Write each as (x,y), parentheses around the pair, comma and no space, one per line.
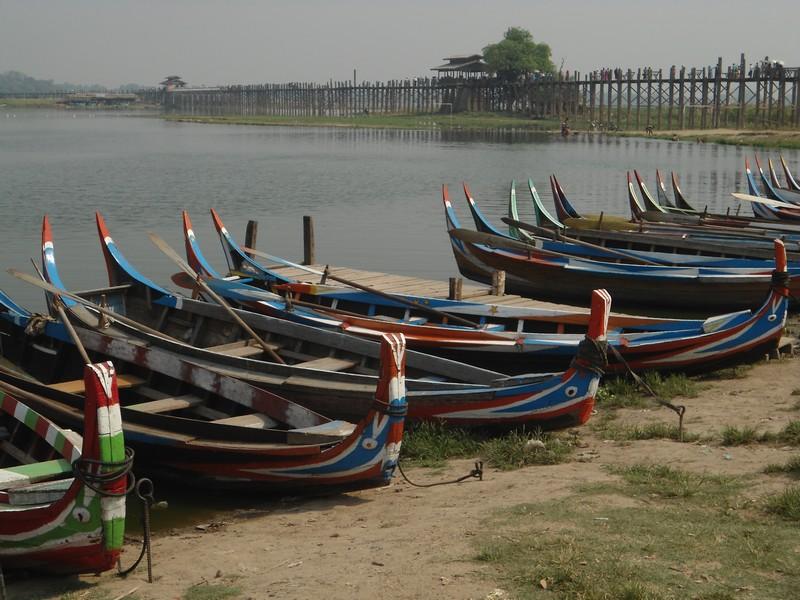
(374,194)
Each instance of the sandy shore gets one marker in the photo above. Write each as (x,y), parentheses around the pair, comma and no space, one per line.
(406,542)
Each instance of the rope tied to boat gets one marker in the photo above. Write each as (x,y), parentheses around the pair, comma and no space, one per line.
(96,474)
(392,410)
(37,323)
(591,355)
(780,280)
(679,409)
(475,473)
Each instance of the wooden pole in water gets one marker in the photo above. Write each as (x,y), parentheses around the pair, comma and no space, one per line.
(498,283)
(308,240)
(250,235)
(456,288)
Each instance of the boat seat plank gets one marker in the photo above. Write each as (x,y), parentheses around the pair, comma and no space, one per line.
(76,386)
(12,477)
(328,363)
(206,412)
(241,348)
(167,404)
(254,420)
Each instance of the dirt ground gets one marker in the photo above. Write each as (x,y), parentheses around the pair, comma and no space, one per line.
(406,542)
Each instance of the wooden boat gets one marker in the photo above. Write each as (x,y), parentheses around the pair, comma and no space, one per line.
(765,211)
(564,244)
(791,182)
(566,278)
(334,373)
(712,235)
(206,428)
(647,343)
(50,519)
(774,191)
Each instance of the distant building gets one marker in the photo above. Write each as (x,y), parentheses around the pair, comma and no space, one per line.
(173,82)
(468,67)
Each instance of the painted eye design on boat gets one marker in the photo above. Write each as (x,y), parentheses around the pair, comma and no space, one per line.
(771,318)
(369,444)
(571,391)
(81,515)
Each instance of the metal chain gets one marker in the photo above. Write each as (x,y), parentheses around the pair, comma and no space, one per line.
(476,473)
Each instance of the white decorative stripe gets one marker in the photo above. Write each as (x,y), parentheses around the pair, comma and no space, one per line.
(20,411)
(103,422)
(112,507)
(51,435)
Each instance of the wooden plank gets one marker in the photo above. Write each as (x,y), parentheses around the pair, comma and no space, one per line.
(254,421)
(167,404)
(33,472)
(76,386)
(328,363)
(209,413)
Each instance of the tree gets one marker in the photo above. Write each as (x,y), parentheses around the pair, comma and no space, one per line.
(517,54)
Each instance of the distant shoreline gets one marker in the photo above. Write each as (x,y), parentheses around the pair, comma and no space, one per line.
(481,121)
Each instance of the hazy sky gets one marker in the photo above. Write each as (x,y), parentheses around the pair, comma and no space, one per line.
(112,42)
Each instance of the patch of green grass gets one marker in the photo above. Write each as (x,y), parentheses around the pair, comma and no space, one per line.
(611,544)
(790,434)
(790,467)
(518,449)
(431,444)
(739,436)
(6,103)
(786,504)
(648,431)
(622,392)
(212,591)
(667,482)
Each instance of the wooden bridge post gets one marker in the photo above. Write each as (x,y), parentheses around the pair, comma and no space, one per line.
(671,96)
(638,99)
(308,240)
(717,93)
(742,95)
(681,99)
(757,80)
(704,100)
(630,92)
(796,97)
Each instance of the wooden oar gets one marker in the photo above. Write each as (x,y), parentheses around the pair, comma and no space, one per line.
(104,311)
(571,240)
(58,305)
(359,286)
(170,253)
(495,241)
(767,201)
